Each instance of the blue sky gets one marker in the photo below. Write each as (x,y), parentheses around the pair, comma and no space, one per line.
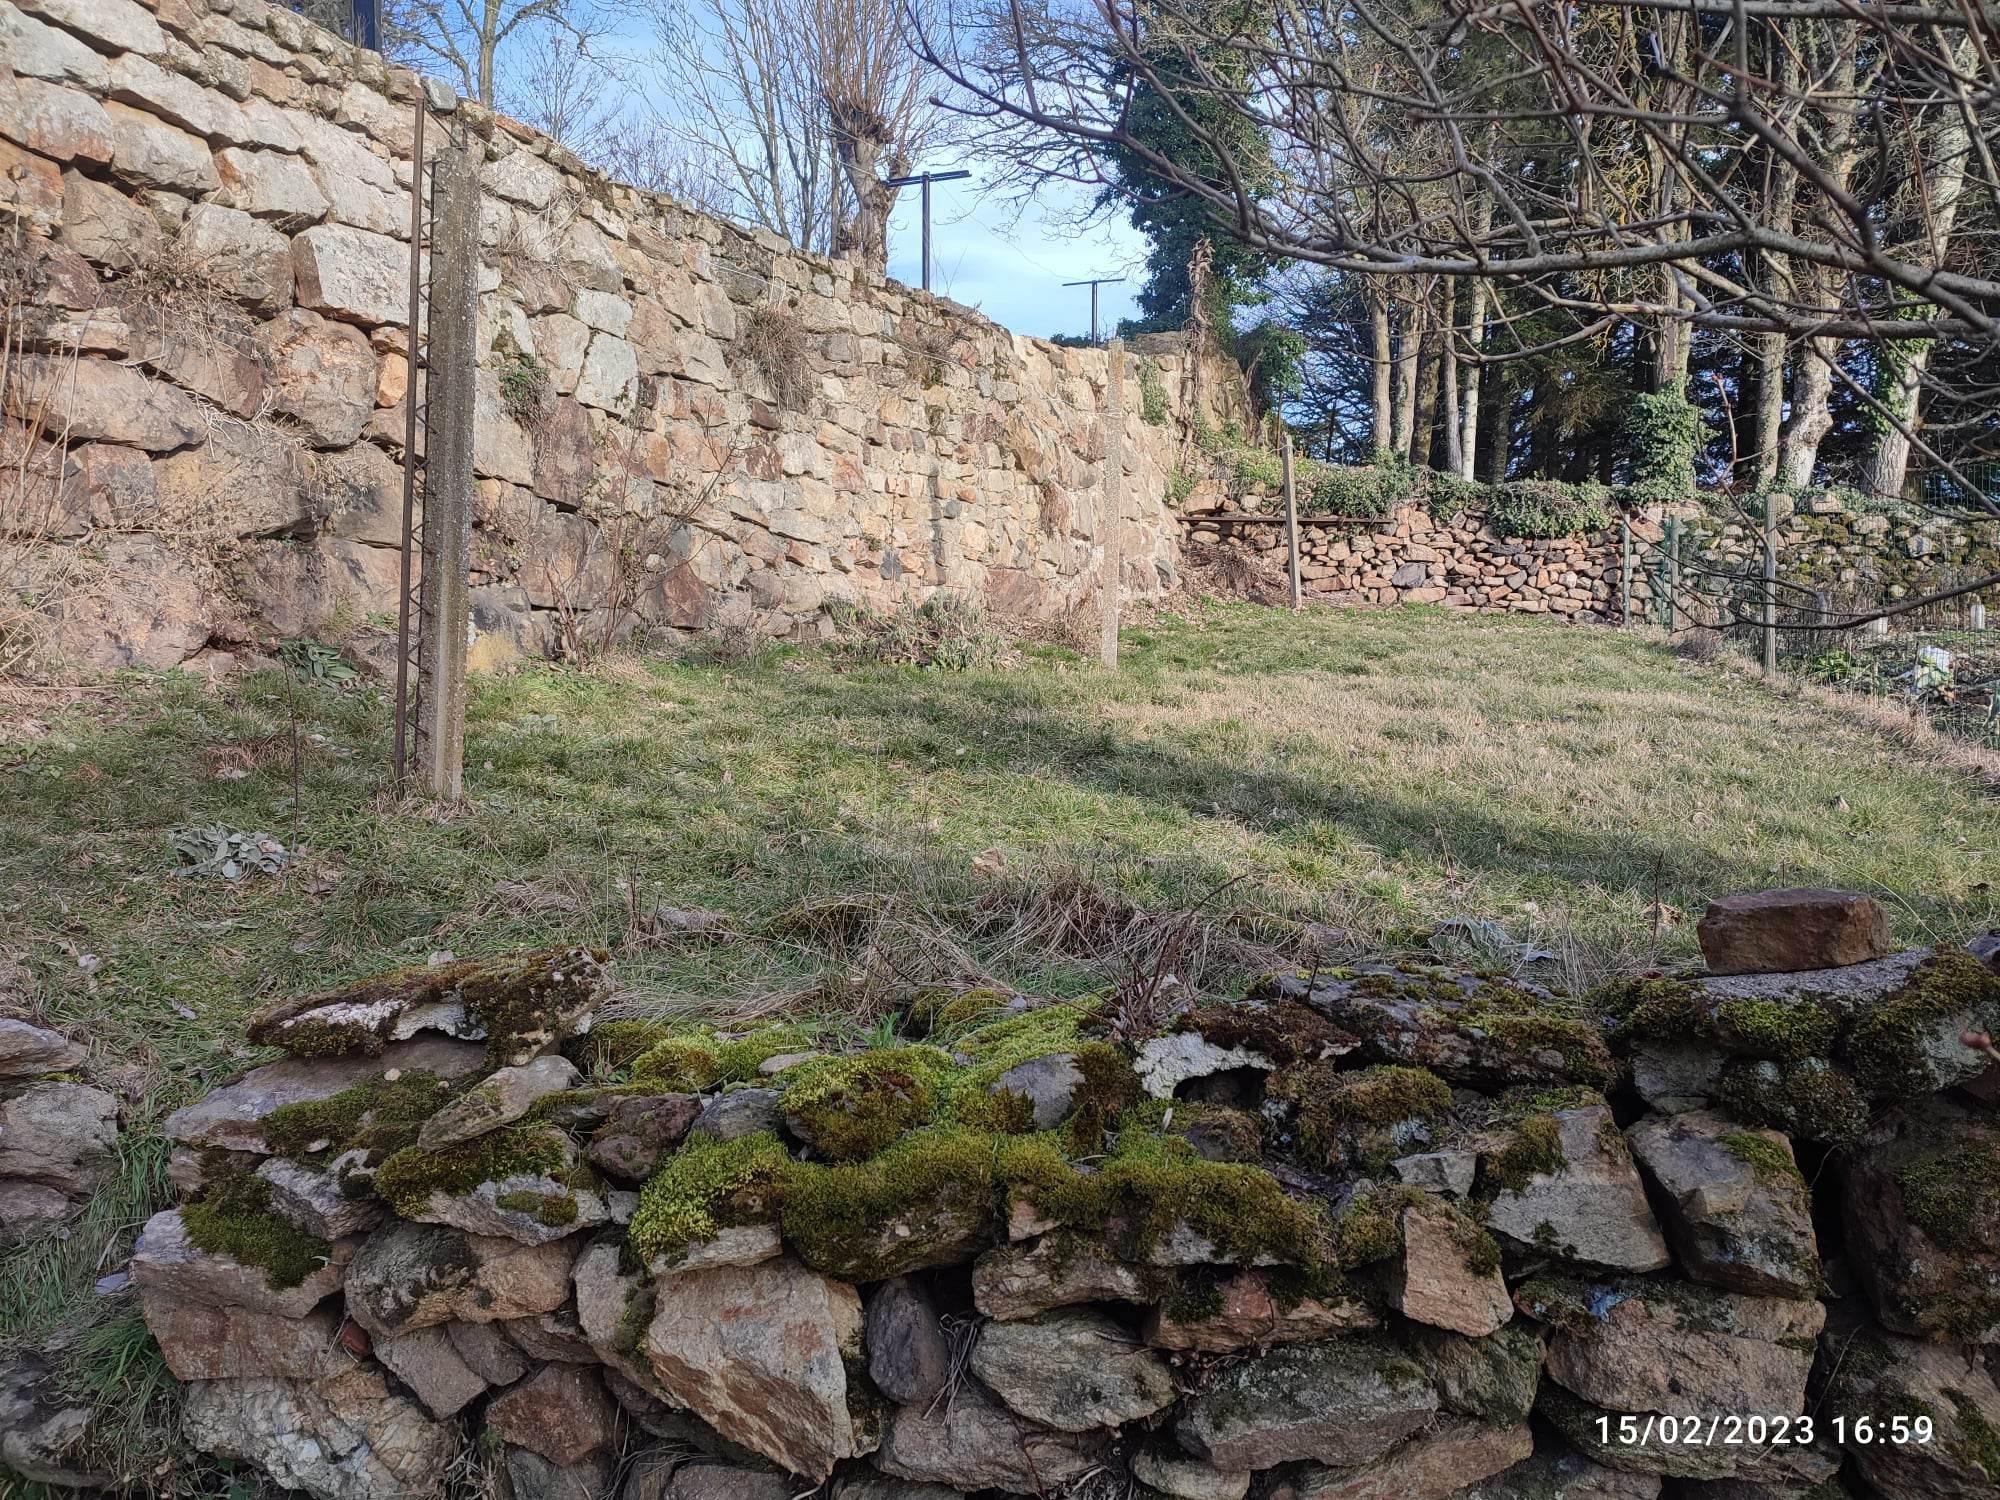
(1012,268)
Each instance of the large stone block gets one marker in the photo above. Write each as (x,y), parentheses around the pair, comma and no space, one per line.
(106,227)
(97,399)
(1763,932)
(36,50)
(238,257)
(352,274)
(61,1135)
(147,152)
(248,480)
(269,184)
(108,25)
(62,124)
(322,374)
(174,98)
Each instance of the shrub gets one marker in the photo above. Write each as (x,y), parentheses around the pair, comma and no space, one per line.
(775,342)
(1539,509)
(947,632)
(525,389)
(1665,433)
(1152,393)
(1337,490)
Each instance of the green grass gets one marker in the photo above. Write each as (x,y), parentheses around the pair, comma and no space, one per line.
(1374,771)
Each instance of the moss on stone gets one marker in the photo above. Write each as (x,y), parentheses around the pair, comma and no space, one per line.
(1811,1099)
(866,1220)
(707,1186)
(611,1046)
(233,1217)
(406,1180)
(1978,1443)
(1767,1028)
(554,1210)
(1282,1030)
(1533,1150)
(940,1014)
(1954,1196)
(1652,1010)
(1886,1044)
(379,1116)
(1768,1160)
(1335,1107)
(1370,1225)
(692,1060)
(849,1108)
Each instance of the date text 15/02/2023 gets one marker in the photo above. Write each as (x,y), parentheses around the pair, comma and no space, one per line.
(1752,1431)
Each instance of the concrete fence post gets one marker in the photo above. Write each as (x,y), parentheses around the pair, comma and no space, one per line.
(443,645)
(1291,521)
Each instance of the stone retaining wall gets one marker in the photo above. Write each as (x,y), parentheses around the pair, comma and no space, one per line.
(1375,1231)
(1423,554)
(681,424)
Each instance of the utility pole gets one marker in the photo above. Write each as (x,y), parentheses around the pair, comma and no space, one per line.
(1094,284)
(926,179)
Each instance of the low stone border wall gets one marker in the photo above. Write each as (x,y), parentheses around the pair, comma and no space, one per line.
(1376,1232)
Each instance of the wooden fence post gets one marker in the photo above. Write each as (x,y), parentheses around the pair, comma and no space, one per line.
(442,645)
(1291,520)
(1111,504)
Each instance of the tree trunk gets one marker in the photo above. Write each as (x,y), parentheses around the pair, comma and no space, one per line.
(1454,455)
(1811,416)
(859,140)
(1409,346)
(1469,392)
(1931,196)
(1424,428)
(1380,399)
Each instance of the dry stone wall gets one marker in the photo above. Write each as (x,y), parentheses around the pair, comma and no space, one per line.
(1849,554)
(681,424)
(1376,1231)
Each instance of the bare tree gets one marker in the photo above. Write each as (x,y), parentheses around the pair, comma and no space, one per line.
(810,105)
(556,86)
(1820,171)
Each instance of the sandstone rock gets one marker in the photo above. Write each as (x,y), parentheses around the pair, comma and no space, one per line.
(1173,1473)
(560,1412)
(43,1431)
(737,1245)
(1922,1207)
(529,1476)
(611,1303)
(35,190)
(95,398)
(1341,1402)
(231,1117)
(1247,1315)
(29,1051)
(146,152)
(1737,1212)
(1448,1174)
(972,1443)
(263,474)
(1433,1466)
(639,1131)
(1073,1370)
(61,124)
(408,1276)
(534,1208)
(30,1211)
(554,1336)
(426,1360)
(150,605)
(322,376)
(714,1481)
(227,1343)
(1493,1379)
(1480,1033)
(1676,1349)
(221,365)
(269,184)
(609,380)
(1878,1377)
(867,1486)
(168,1266)
(544,995)
(1593,1209)
(108,25)
(35,50)
(239,256)
(346,1437)
(60,1135)
(1555,1473)
(758,1353)
(104,226)
(1164,1063)
(909,1357)
(1434,1280)
(351,274)
(504,1097)
(1761,932)
(1058,1270)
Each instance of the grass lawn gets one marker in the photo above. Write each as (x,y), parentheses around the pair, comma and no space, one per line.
(870,830)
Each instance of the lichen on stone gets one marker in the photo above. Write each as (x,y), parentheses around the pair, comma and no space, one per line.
(233,1217)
